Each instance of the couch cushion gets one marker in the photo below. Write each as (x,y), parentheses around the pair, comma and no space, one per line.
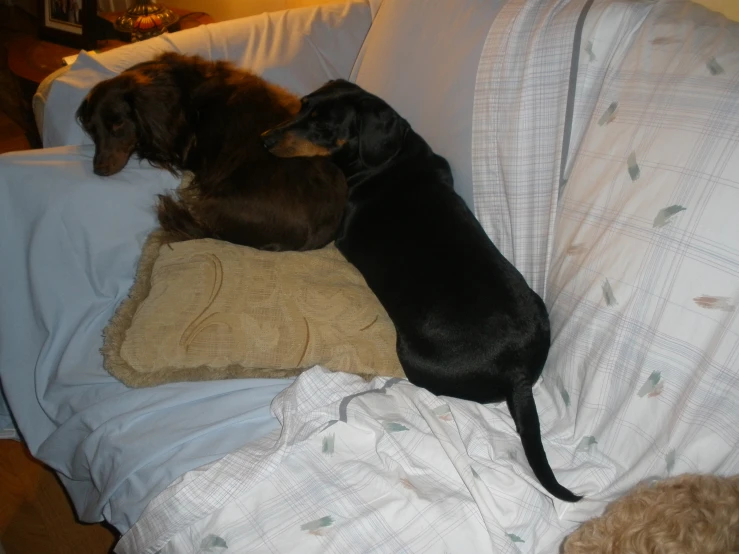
(421,57)
(207,309)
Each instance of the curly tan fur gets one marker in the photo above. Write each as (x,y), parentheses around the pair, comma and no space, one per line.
(688,514)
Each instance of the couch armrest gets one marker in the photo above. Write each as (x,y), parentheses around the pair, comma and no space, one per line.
(299,49)
(38,103)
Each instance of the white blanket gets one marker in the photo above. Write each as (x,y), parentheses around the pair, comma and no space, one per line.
(381,467)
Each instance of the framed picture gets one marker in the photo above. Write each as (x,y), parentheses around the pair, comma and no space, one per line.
(68,22)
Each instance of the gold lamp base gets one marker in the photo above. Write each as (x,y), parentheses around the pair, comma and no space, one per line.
(145,19)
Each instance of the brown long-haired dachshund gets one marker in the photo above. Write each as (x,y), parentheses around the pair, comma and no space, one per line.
(184,113)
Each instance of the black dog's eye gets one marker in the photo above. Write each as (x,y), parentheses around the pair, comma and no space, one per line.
(117,130)
(314,114)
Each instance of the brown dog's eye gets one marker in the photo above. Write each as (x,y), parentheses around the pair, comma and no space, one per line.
(117,130)
(314,113)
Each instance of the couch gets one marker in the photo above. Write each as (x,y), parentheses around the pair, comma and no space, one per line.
(597,141)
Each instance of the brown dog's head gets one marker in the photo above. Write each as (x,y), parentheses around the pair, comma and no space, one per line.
(342,120)
(107,115)
(140,111)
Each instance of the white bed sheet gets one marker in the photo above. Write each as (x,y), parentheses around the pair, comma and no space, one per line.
(70,243)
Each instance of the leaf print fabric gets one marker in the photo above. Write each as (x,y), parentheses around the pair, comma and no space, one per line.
(328,444)
(608,295)
(665,215)
(317,524)
(586,443)
(651,384)
(670,461)
(641,378)
(722,303)
(394,427)
(643,284)
(609,115)
(212,543)
(515,538)
(714,67)
(634,171)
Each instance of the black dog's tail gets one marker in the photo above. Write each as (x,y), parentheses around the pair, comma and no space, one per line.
(523,410)
(177,220)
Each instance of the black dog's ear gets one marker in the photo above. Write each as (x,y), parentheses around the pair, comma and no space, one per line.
(381,132)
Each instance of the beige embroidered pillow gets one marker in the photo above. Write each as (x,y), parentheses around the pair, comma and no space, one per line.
(206,309)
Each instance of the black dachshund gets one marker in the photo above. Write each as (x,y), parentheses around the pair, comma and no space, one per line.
(468,324)
(185,113)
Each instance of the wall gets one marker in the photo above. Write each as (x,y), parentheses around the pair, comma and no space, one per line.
(232,9)
(221,10)
(730,8)
(27,5)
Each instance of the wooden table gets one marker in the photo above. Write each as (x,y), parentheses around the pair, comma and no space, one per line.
(188,20)
(33,60)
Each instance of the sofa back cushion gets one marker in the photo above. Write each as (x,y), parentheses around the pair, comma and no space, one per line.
(299,49)
(421,57)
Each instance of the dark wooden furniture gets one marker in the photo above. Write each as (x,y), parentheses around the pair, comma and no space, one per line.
(31,60)
(36,516)
(71,22)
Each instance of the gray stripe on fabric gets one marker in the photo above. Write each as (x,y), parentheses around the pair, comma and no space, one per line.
(345,402)
(569,111)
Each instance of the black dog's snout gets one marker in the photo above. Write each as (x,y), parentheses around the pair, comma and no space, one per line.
(269,139)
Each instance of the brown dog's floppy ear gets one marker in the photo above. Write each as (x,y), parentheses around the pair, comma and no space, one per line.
(152,101)
(81,114)
(381,132)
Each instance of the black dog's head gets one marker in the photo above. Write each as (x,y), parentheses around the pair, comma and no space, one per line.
(343,121)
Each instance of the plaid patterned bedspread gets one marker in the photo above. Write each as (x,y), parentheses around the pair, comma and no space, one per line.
(571,97)
(382,467)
